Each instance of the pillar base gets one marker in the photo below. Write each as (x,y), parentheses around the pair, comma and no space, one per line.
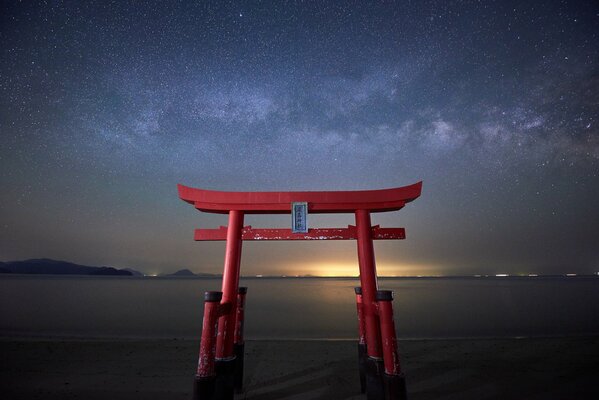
(225,379)
(239,356)
(375,370)
(203,388)
(395,387)
(362,355)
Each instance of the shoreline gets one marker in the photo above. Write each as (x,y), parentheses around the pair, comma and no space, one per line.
(326,277)
(7,337)
(506,368)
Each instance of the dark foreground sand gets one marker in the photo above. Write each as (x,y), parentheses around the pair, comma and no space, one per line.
(552,368)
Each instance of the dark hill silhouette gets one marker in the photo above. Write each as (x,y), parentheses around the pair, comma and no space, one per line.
(55,267)
(182,272)
(133,272)
(3,268)
(187,273)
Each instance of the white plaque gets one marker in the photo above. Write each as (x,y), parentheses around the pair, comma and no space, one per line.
(299,217)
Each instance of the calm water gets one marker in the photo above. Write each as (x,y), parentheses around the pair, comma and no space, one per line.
(298,308)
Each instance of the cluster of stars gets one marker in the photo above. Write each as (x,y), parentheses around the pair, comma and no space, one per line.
(100,98)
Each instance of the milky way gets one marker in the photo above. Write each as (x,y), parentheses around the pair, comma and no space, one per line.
(105,107)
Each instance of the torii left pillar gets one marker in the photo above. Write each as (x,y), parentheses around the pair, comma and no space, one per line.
(220,366)
(219,382)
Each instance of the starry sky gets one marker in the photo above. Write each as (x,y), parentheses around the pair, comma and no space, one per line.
(106,105)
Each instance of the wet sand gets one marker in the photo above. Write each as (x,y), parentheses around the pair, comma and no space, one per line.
(547,368)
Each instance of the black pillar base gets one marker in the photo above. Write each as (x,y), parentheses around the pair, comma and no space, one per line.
(203,388)
(238,373)
(375,370)
(395,387)
(225,372)
(362,355)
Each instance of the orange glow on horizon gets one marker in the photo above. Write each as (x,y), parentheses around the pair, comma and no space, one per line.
(332,269)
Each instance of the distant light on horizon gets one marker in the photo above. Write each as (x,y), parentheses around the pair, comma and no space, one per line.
(351,269)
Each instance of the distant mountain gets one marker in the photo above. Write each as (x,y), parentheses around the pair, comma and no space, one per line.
(185,272)
(54,267)
(133,272)
(182,272)
(3,269)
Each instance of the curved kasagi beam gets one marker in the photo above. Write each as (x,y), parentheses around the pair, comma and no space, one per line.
(318,202)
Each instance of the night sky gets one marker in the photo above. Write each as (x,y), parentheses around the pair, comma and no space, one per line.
(106,106)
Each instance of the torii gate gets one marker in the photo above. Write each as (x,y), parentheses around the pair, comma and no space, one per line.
(220,365)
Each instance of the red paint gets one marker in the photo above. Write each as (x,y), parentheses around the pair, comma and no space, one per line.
(226,323)
(249,233)
(239,317)
(318,202)
(208,341)
(361,326)
(368,282)
(389,338)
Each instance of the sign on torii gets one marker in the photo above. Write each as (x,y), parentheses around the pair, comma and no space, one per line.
(220,366)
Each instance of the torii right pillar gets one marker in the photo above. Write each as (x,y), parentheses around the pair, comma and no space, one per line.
(380,371)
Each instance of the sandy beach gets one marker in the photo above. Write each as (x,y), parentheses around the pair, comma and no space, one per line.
(540,368)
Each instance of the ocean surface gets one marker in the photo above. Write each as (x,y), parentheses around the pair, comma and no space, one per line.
(292,308)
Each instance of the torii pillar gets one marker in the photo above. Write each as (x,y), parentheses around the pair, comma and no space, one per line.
(220,365)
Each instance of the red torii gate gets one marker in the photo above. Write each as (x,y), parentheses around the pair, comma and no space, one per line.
(220,366)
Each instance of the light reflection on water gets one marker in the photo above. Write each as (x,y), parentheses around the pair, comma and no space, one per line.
(297,308)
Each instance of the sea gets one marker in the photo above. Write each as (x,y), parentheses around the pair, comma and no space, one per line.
(297,308)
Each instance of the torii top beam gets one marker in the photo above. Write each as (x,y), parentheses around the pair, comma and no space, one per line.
(318,202)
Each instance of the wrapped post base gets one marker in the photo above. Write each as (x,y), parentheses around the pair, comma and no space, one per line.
(374,379)
(203,388)
(362,355)
(393,378)
(239,340)
(362,352)
(395,387)
(205,378)
(238,379)
(225,370)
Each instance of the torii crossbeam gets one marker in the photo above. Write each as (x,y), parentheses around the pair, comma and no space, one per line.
(220,366)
